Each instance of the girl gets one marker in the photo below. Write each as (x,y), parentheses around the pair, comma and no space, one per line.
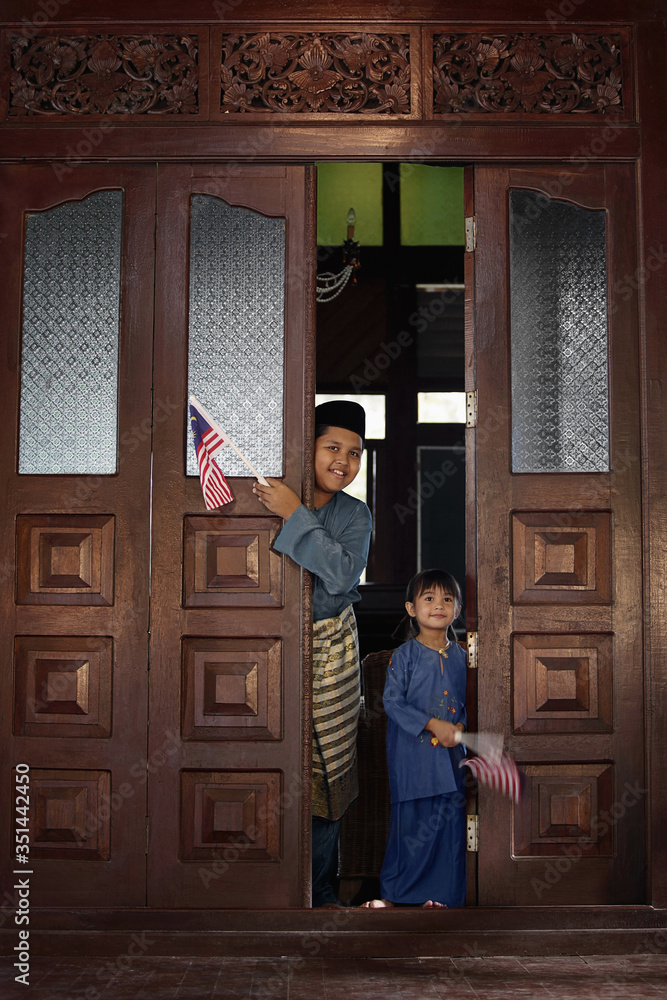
(332,542)
(424,698)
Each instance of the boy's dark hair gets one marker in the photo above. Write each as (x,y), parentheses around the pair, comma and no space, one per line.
(428,579)
(344,413)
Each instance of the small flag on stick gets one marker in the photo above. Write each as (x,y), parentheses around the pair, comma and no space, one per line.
(212,436)
(493,767)
(209,439)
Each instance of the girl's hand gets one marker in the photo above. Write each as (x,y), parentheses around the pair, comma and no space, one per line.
(444,731)
(277,497)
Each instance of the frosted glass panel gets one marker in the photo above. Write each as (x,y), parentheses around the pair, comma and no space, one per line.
(236,331)
(558,280)
(69,358)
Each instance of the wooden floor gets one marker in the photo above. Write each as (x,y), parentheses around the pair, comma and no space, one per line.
(140,977)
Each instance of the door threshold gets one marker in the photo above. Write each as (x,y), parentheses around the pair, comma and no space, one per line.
(307,933)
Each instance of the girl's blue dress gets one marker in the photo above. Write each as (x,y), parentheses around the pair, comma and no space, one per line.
(425,856)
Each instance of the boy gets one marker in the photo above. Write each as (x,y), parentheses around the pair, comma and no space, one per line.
(332,542)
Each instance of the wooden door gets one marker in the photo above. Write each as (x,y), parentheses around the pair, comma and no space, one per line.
(76,318)
(229,812)
(559,553)
(227,761)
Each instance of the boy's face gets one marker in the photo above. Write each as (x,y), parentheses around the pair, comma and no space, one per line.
(337,457)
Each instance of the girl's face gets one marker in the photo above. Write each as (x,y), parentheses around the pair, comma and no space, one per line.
(434,610)
(337,457)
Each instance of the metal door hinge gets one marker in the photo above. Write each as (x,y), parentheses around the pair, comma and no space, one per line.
(471,233)
(471,408)
(472,830)
(472,650)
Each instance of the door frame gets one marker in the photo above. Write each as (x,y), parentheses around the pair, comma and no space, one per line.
(641,142)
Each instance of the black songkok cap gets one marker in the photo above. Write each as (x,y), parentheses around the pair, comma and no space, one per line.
(342,413)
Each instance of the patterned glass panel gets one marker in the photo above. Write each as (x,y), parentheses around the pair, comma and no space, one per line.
(558,282)
(236,331)
(69,361)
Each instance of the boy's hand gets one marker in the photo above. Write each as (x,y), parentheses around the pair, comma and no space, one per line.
(277,497)
(443,730)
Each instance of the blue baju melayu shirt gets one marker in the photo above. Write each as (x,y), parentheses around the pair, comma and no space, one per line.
(415,691)
(332,542)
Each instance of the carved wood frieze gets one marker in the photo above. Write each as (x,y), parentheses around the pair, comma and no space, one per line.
(321,73)
(104,74)
(527,73)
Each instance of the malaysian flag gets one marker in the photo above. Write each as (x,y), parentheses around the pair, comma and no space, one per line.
(497,772)
(208,441)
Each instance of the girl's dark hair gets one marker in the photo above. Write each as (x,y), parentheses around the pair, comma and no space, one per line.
(428,579)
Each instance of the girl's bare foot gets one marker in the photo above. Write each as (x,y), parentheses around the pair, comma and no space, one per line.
(433,903)
(376,904)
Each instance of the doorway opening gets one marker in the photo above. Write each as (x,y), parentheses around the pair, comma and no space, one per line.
(393,339)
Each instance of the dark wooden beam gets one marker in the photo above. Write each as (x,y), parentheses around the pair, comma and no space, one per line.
(584,930)
(575,146)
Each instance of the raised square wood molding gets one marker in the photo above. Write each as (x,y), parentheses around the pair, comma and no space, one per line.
(231,689)
(237,811)
(229,562)
(71,814)
(65,559)
(561,557)
(562,683)
(561,806)
(63,686)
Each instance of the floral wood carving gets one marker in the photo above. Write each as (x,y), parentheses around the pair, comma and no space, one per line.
(543,74)
(104,75)
(316,73)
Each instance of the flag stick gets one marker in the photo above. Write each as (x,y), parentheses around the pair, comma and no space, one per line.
(485,744)
(216,427)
